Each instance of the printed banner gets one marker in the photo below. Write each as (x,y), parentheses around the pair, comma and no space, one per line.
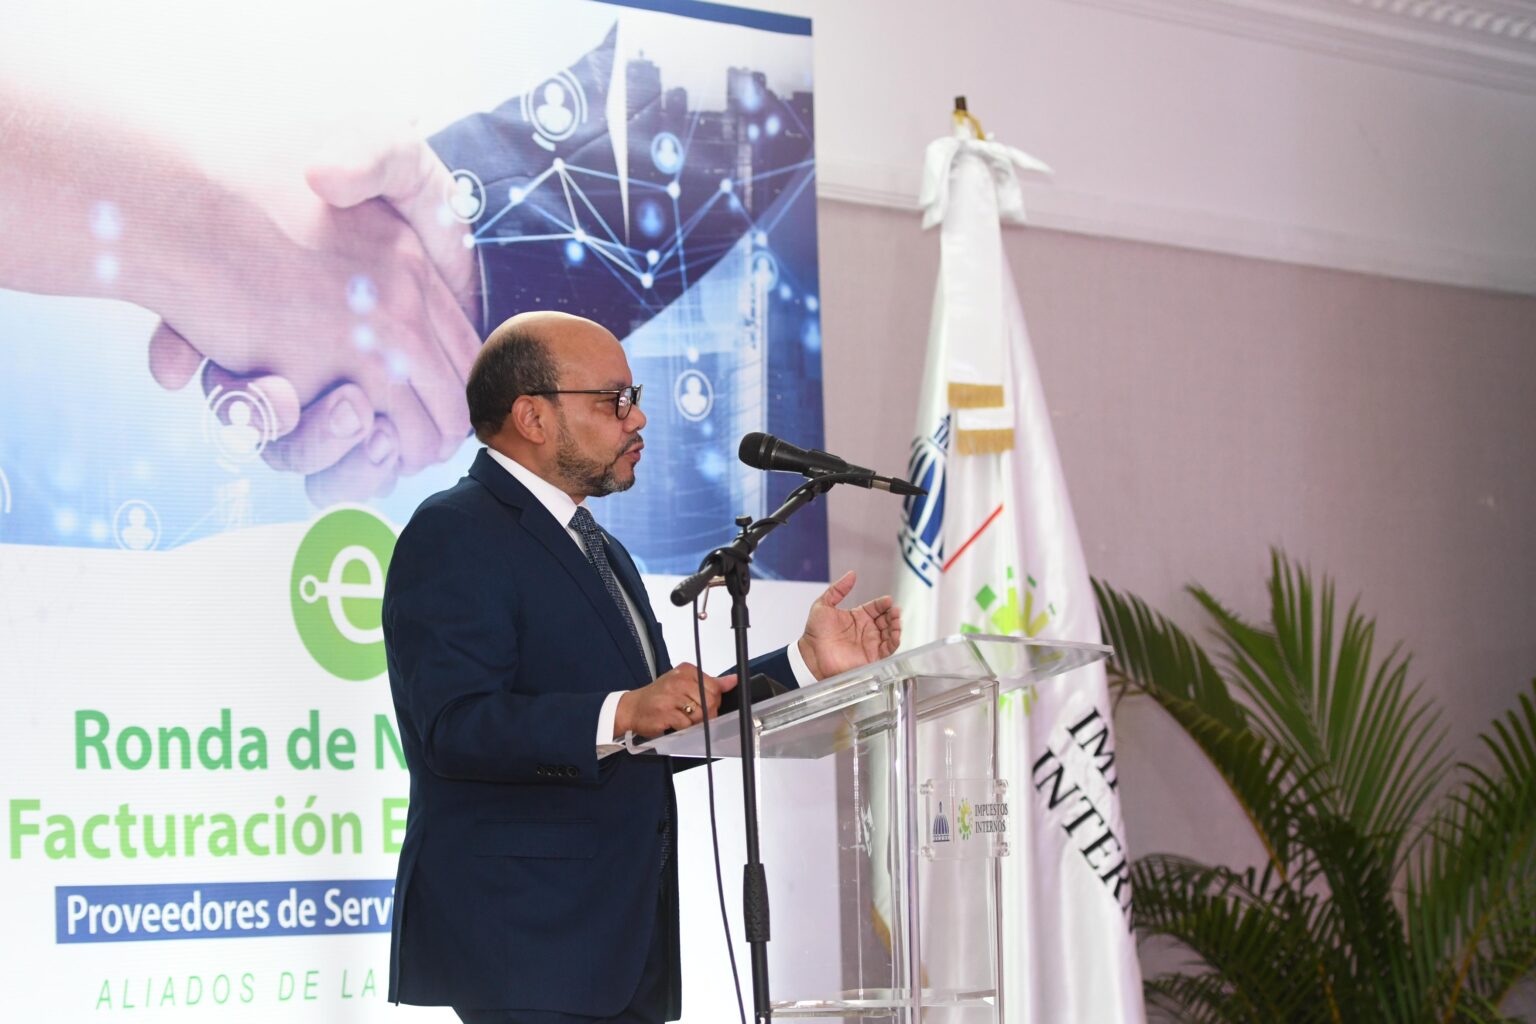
(246,256)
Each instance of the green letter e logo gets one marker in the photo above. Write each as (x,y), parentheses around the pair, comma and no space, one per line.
(337,591)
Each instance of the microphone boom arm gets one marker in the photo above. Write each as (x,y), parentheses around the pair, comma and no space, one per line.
(739,551)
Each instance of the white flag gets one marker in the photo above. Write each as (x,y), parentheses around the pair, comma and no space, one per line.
(993,548)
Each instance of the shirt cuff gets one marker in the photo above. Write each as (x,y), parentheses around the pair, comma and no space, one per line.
(605,717)
(802,672)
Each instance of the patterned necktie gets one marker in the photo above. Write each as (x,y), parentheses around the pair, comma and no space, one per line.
(592,539)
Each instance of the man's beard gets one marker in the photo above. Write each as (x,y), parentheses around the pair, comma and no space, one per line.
(586,475)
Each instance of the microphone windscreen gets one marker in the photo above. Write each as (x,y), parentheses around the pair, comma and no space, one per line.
(756,450)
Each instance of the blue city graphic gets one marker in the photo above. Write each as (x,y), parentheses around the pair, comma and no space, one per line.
(691,233)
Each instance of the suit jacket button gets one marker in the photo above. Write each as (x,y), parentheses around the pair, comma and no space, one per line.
(541,770)
(573,771)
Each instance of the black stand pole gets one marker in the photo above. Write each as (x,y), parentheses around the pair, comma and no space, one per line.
(734,563)
(754,879)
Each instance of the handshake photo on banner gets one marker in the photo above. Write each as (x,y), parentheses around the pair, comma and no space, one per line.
(328,299)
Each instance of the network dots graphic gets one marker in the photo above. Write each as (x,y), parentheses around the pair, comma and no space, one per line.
(765,269)
(239,423)
(555,108)
(136,526)
(466,196)
(694,395)
(362,294)
(688,228)
(107,267)
(106,221)
(667,152)
(678,214)
(573,205)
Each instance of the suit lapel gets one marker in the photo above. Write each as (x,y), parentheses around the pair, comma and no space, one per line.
(543,527)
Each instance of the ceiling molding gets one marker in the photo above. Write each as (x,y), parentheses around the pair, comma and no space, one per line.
(1059,209)
(1486,42)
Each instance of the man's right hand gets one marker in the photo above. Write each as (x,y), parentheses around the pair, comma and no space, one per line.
(671,702)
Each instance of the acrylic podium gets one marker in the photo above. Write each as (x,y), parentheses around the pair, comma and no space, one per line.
(893,784)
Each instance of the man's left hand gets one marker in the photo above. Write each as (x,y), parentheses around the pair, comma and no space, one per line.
(837,640)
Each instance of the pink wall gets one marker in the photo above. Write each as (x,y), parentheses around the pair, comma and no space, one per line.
(1209,406)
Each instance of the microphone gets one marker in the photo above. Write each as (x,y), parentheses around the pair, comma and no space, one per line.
(764,451)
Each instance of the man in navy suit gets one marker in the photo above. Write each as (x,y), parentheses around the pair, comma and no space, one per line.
(537,882)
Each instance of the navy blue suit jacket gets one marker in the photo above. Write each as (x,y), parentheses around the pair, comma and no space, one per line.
(531,871)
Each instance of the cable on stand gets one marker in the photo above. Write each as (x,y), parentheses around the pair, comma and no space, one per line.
(733,563)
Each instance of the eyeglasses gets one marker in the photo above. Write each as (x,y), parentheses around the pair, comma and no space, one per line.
(624,399)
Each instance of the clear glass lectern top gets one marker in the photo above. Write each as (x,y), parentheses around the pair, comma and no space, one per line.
(811,722)
(887,811)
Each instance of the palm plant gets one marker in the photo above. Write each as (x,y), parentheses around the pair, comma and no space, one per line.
(1391,891)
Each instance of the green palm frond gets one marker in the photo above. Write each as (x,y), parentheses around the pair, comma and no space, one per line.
(1204,998)
(1374,740)
(1255,932)
(1374,905)
(1359,921)
(1154,656)
(1266,781)
(1471,884)
(1508,953)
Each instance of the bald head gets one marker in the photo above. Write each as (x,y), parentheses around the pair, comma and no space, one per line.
(546,390)
(531,352)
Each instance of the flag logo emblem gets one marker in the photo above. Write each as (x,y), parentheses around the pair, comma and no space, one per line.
(922,526)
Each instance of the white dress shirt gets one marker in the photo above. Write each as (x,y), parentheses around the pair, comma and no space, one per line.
(563,509)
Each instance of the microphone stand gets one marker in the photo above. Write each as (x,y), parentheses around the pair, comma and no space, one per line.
(733,561)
